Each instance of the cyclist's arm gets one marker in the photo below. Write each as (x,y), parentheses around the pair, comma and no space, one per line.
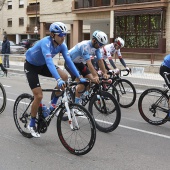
(49,61)
(121,59)
(100,61)
(69,62)
(91,68)
(112,63)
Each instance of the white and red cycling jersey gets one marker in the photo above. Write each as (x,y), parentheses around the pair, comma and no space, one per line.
(108,50)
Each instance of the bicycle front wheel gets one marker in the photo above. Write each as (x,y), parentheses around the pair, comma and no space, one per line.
(2,98)
(127,93)
(153,106)
(22,113)
(106,111)
(81,139)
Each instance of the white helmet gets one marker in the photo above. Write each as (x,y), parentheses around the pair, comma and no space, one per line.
(120,42)
(101,37)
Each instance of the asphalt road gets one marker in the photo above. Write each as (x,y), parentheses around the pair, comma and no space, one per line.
(134,145)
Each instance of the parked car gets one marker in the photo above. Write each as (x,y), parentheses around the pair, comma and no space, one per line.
(35,43)
(15,49)
(27,43)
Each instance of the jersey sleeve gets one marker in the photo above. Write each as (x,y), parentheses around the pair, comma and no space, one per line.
(98,54)
(48,59)
(69,62)
(119,53)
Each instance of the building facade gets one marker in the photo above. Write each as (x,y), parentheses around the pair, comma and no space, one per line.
(144,24)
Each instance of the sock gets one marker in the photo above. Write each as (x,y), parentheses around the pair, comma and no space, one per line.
(169,113)
(32,122)
(77,100)
(54,100)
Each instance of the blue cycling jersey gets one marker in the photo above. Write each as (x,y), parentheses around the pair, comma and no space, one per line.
(166,61)
(81,52)
(43,52)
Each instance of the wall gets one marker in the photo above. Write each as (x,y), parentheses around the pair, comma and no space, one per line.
(15,13)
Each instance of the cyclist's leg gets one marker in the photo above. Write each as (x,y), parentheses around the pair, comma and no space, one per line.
(68,70)
(31,72)
(84,71)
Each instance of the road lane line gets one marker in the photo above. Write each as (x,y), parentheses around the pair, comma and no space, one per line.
(144,131)
(128,127)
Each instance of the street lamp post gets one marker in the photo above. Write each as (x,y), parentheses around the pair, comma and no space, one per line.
(36,28)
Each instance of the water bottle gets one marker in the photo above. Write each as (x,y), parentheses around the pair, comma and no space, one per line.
(83,96)
(52,107)
(45,111)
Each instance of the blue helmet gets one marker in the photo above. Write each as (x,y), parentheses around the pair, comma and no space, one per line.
(58,28)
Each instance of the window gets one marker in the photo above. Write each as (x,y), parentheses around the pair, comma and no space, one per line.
(9,22)
(21,21)
(140,31)
(21,3)
(9,4)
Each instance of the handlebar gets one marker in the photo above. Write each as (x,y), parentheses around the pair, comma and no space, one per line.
(128,71)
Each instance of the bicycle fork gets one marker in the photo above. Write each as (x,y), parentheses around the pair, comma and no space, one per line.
(71,119)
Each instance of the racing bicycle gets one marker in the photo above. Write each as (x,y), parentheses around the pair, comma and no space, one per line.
(102,105)
(77,134)
(153,105)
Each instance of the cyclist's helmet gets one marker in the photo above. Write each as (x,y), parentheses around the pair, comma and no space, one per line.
(101,37)
(120,42)
(58,28)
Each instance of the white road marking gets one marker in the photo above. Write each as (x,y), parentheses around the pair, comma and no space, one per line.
(128,127)
(6,85)
(144,131)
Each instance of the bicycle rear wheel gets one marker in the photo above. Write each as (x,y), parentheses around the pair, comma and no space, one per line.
(153,106)
(2,98)
(126,91)
(78,141)
(21,113)
(106,111)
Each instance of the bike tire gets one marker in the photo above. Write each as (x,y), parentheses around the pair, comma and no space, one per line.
(21,115)
(79,141)
(114,92)
(107,118)
(148,108)
(127,93)
(3,98)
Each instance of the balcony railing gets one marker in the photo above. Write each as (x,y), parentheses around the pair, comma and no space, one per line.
(91,3)
(31,9)
(119,2)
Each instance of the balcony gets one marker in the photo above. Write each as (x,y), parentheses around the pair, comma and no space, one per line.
(119,2)
(81,5)
(84,6)
(32,9)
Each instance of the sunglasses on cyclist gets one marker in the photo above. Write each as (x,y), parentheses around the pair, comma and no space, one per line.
(61,34)
(100,44)
(117,45)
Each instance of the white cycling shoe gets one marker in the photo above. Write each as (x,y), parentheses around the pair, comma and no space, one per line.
(33,132)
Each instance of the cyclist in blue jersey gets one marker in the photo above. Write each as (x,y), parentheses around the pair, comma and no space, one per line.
(80,55)
(39,61)
(165,67)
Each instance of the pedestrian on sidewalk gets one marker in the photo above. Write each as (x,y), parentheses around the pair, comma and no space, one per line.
(6,51)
